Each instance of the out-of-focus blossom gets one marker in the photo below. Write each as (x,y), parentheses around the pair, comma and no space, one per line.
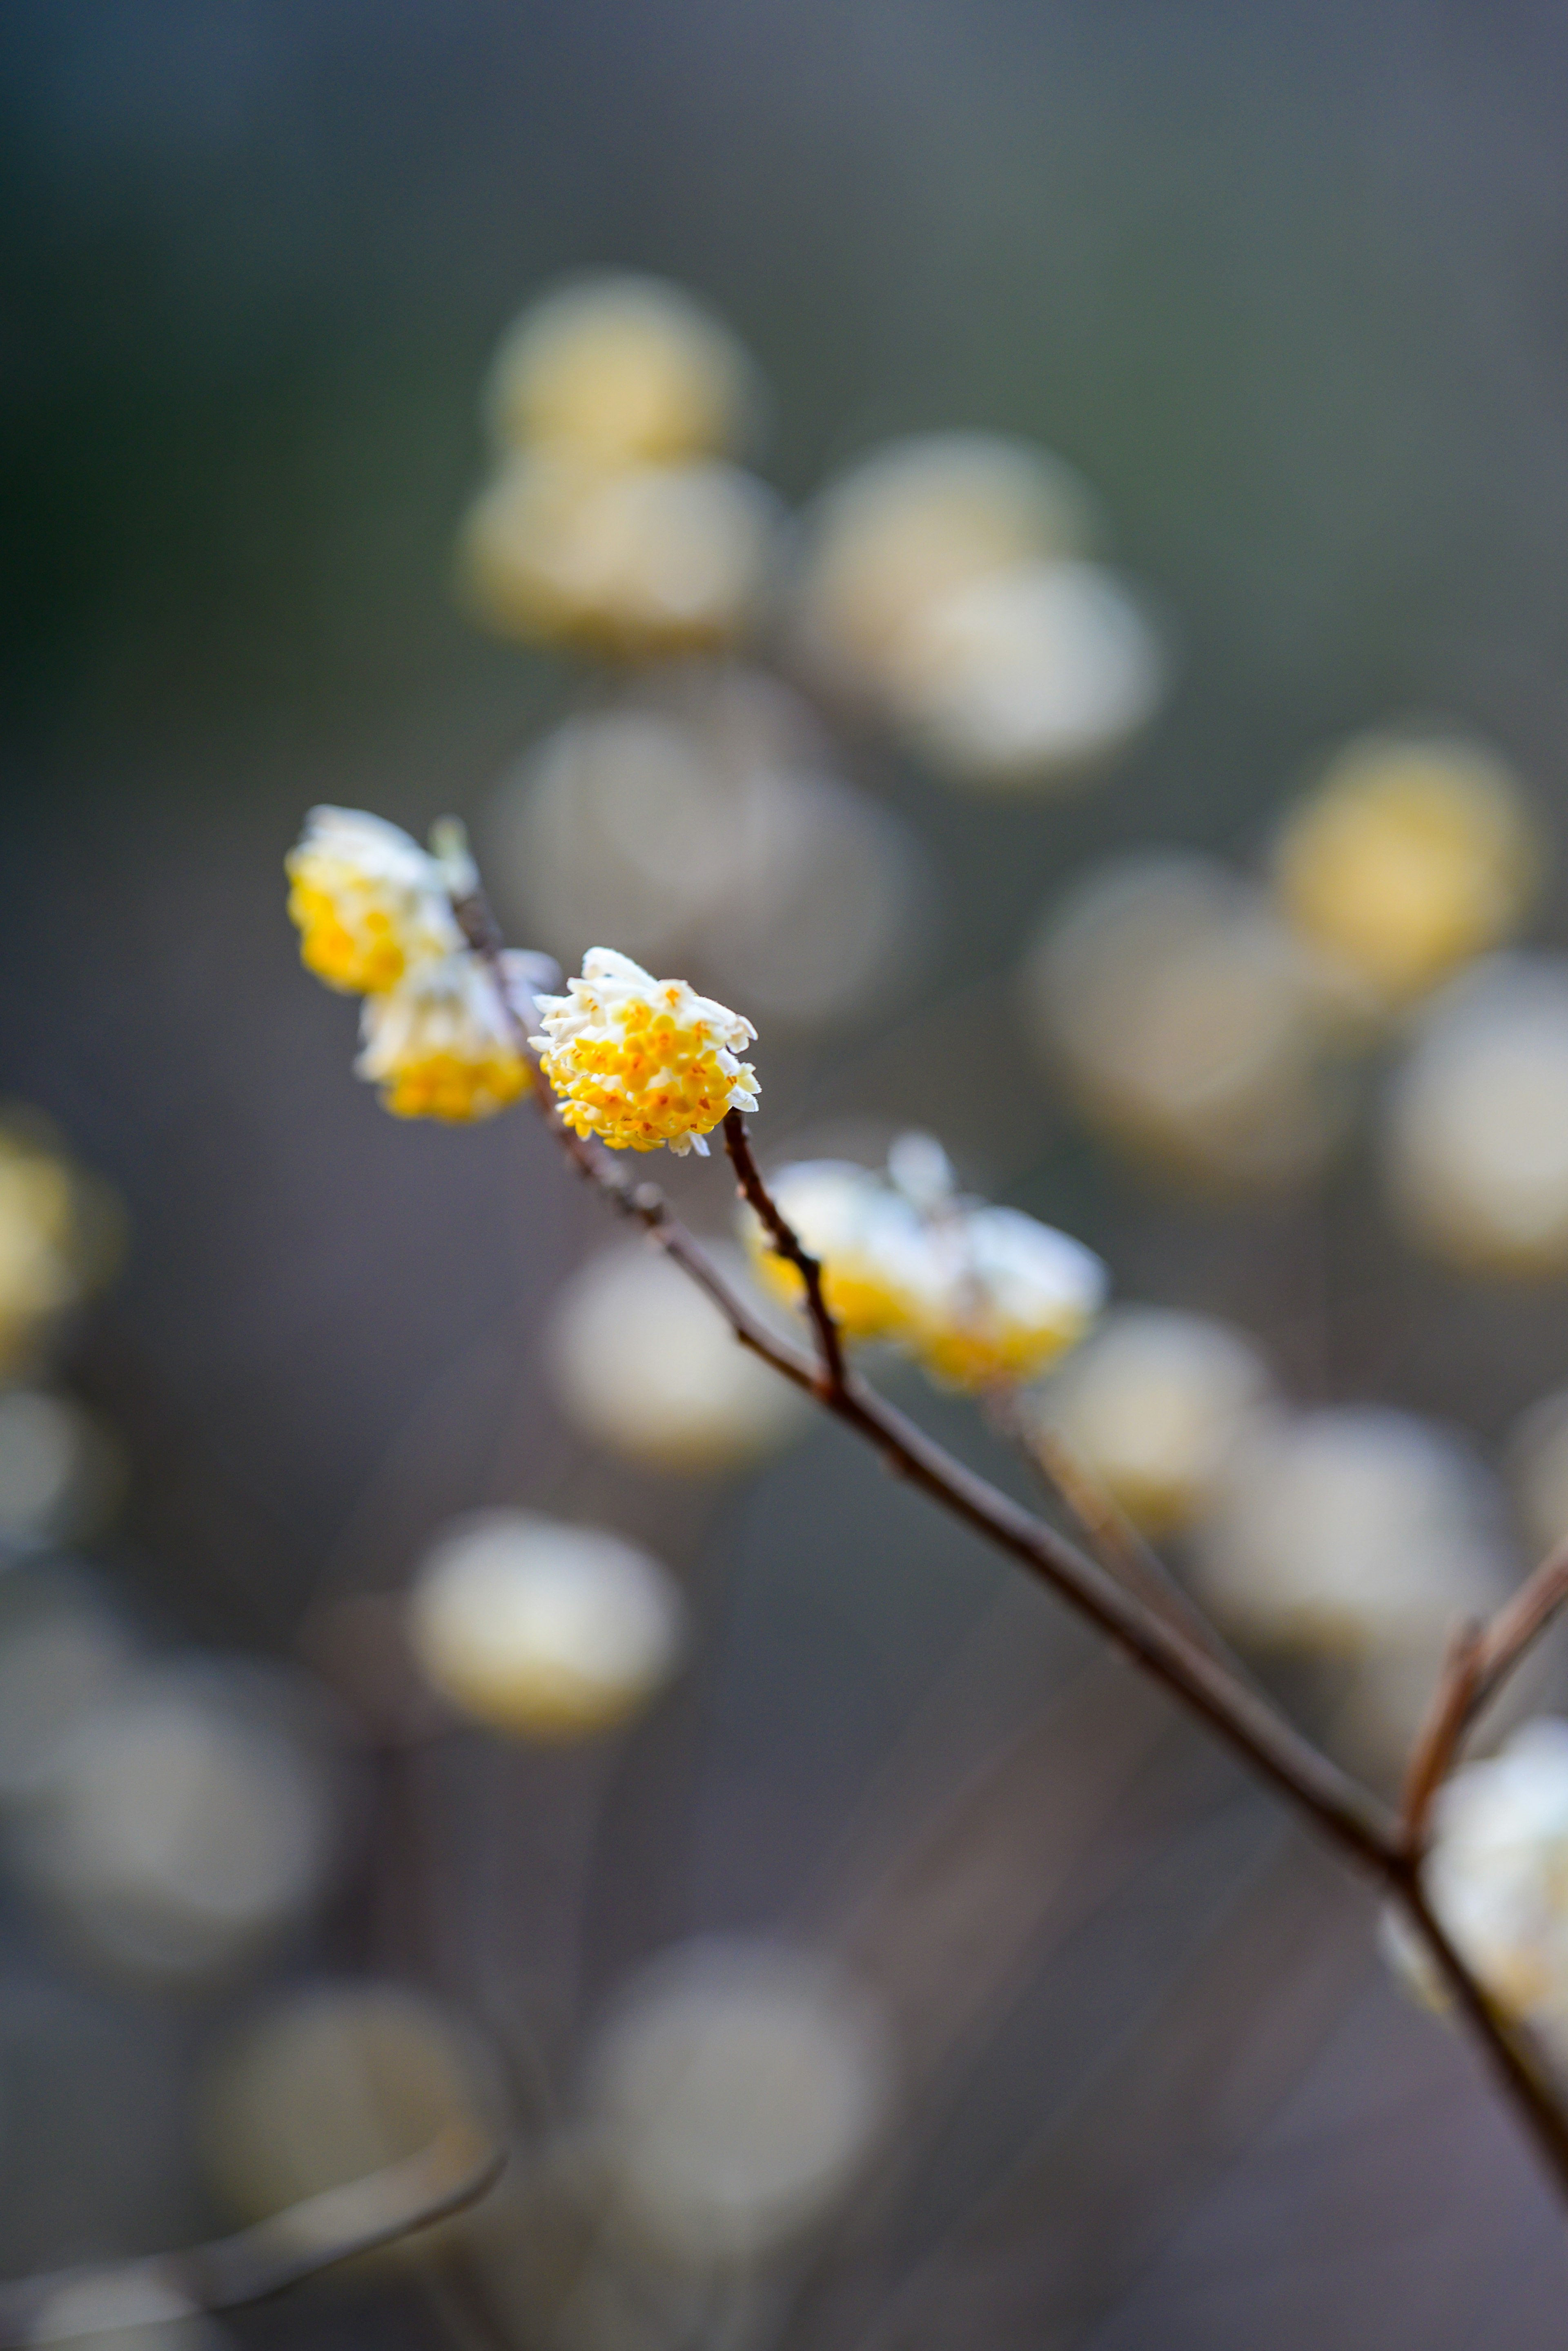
(443,1045)
(337,2081)
(1193,1029)
(916,523)
(734,2095)
(641,1061)
(63,1653)
(127,2309)
(701,818)
(1537,1463)
(943,579)
(60,1234)
(1340,1529)
(1475,1125)
(648,1367)
(1363,1538)
(1152,1406)
(622,369)
(998,1297)
(1413,855)
(630,563)
(59,1470)
(864,1233)
(540,1629)
(980,1296)
(1497,1874)
(183,1826)
(370,904)
(1028,675)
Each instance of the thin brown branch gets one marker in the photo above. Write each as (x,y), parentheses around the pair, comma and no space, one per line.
(1518,1625)
(452,2172)
(1479,1663)
(1453,1704)
(1250,1725)
(1109,1534)
(1511,2065)
(786,1244)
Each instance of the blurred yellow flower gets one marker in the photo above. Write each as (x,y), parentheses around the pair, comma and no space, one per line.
(370,904)
(623,368)
(1411,857)
(981,1297)
(540,1629)
(999,1297)
(443,1045)
(59,1234)
(641,1061)
(862,1232)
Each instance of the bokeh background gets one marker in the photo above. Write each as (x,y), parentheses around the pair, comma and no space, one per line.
(1285,285)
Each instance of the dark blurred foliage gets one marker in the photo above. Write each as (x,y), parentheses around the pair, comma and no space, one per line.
(1287,284)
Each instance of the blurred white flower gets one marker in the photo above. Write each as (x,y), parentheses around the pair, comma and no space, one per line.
(648,1367)
(1412,854)
(540,1629)
(701,820)
(1342,1530)
(918,521)
(997,1297)
(632,562)
(1497,1874)
(1476,1122)
(735,2094)
(1152,1406)
(371,905)
(1028,675)
(60,1470)
(1190,1025)
(124,2310)
(640,1062)
(622,369)
(183,1825)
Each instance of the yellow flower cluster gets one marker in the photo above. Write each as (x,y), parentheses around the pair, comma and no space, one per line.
(980,1297)
(376,915)
(640,1062)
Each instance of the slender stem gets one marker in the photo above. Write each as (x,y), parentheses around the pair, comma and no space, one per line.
(1248,1724)
(1453,1702)
(786,1244)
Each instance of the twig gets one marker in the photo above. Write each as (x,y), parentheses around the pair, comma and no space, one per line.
(1109,1534)
(1248,1724)
(1518,1625)
(786,1244)
(379,2210)
(1452,1707)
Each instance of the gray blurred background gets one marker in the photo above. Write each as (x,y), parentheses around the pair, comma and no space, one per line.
(1287,286)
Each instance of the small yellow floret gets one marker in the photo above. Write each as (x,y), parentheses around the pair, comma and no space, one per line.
(641,1062)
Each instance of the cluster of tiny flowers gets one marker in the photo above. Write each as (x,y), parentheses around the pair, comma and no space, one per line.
(1497,1874)
(640,1062)
(375,916)
(981,1297)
